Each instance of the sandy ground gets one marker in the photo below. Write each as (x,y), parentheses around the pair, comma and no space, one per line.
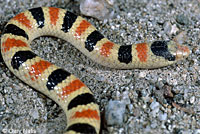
(149,109)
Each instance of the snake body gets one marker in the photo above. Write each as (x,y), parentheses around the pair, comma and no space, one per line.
(69,92)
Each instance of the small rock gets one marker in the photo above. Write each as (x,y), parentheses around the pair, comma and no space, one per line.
(130,107)
(110,2)
(154,104)
(163,117)
(174,29)
(154,124)
(182,19)
(155,111)
(169,28)
(125,97)
(2,108)
(181,37)
(192,99)
(118,94)
(197,131)
(9,100)
(142,74)
(99,9)
(155,108)
(5,77)
(34,114)
(114,112)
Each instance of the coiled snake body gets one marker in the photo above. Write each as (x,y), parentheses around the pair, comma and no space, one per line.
(69,92)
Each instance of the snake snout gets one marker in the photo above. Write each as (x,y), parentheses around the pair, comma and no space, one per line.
(182,52)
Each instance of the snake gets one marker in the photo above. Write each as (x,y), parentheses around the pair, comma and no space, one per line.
(68,91)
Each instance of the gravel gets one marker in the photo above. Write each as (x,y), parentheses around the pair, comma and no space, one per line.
(148,109)
(114,112)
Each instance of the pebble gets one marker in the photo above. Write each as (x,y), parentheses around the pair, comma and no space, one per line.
(163,116)
(114,112)
(9,100)
(197,131)
(5,77)
(155,108)
(101,10)
(130,107)
(192,99)
(181,37)
(2,108)
(155,111)
(154,104)
(142,74)
(111,2)
(154,124)
(34,114)
(174,29)
(169,28)
(182,19)
(125,97)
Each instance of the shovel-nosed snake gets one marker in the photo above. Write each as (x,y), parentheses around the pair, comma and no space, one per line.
(83,115)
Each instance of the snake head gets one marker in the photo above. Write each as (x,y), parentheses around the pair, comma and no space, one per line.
(179,51)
